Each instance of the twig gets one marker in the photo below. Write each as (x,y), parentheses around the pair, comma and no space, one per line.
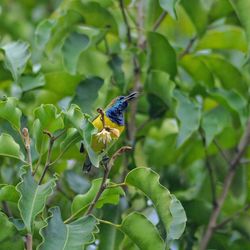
(100,111)
(159,20)
(187,49)
(242,146)
(122,7)
(28,242)
(27,142)
(210,170)
(224,156)
(105,177)
(233,216)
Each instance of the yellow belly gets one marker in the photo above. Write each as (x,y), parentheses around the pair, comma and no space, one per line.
(98,145)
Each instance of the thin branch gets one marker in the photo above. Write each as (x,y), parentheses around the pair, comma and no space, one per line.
(232,217)
(105,177)
(122,7)
(159,20)
(188,48)
(108,223)
(234,164)
(27,142)
(28,242)
(224,156)
(210,170)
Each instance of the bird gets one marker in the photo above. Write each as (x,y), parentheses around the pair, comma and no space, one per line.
(110,124)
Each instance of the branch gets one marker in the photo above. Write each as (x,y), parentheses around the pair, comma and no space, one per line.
(122,7)
(159,20)
(28,242)
(224,156)
(242,146)
(105,177)
(187,49)
(27,142)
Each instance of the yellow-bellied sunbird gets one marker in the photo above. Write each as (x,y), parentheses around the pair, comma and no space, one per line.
(110,124)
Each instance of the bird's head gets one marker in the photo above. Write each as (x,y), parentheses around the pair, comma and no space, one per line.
(117,107)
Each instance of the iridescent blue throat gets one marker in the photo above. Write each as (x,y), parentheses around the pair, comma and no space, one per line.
(114,116)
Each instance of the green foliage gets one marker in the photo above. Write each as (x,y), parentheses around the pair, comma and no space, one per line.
(61,60)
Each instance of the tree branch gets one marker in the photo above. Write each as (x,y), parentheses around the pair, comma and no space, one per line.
(28,242)
(105,177)
(242,146)
(27,142)
(159,20)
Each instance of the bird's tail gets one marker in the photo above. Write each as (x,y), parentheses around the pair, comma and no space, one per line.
(87,163)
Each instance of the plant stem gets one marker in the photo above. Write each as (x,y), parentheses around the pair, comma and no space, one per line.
(122,7)
(108,223)
(234,164)
(27,142)
(159,20)
(28,242)
(188,48)
(107,169)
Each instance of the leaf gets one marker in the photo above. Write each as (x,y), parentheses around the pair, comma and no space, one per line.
(229,76)
(189,114)
(9,148)
(32,197)
(132,226)
(233,100)
(9,193)
(214,121)
(161,61)
(169,6)
(167,206)
(73,46)
(198,69)
(82,201)
(30,82)
(226,37)
(87,93)
(17,55)
(72,236)
(197,14)
(7,107)
(242,10)
(7,226)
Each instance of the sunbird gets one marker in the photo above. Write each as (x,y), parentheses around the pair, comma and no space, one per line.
(110,124)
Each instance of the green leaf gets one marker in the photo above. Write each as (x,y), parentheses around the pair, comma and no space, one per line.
(9,148)
(29,82)
(87,93)
(128,244)
(17,55)
(233,100)
(9,106)
(229,76)
(197,14)
(219,9)
(161,61)
(9,193)
(32,197)
(189,114)
(82,201)
(241,8)
(72,236)
(167,206)
(169,6)
(7,226)
(214,121)
(226,37)
(134,224)
(198,70)
(73,46)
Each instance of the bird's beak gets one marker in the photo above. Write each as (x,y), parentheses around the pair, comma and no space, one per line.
(131,96)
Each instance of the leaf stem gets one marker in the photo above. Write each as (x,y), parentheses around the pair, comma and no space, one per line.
(108,223)
(28,242)
(234,164)
(159,20)
(27,142)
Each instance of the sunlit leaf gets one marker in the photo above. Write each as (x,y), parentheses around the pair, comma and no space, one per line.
(32,197)
(29,82)
(17,55)
(73,46)
(9,106)
(72,236)
(9,148)
(161,61)
(167,206)
(189,114)
(132,226)
(82,201)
